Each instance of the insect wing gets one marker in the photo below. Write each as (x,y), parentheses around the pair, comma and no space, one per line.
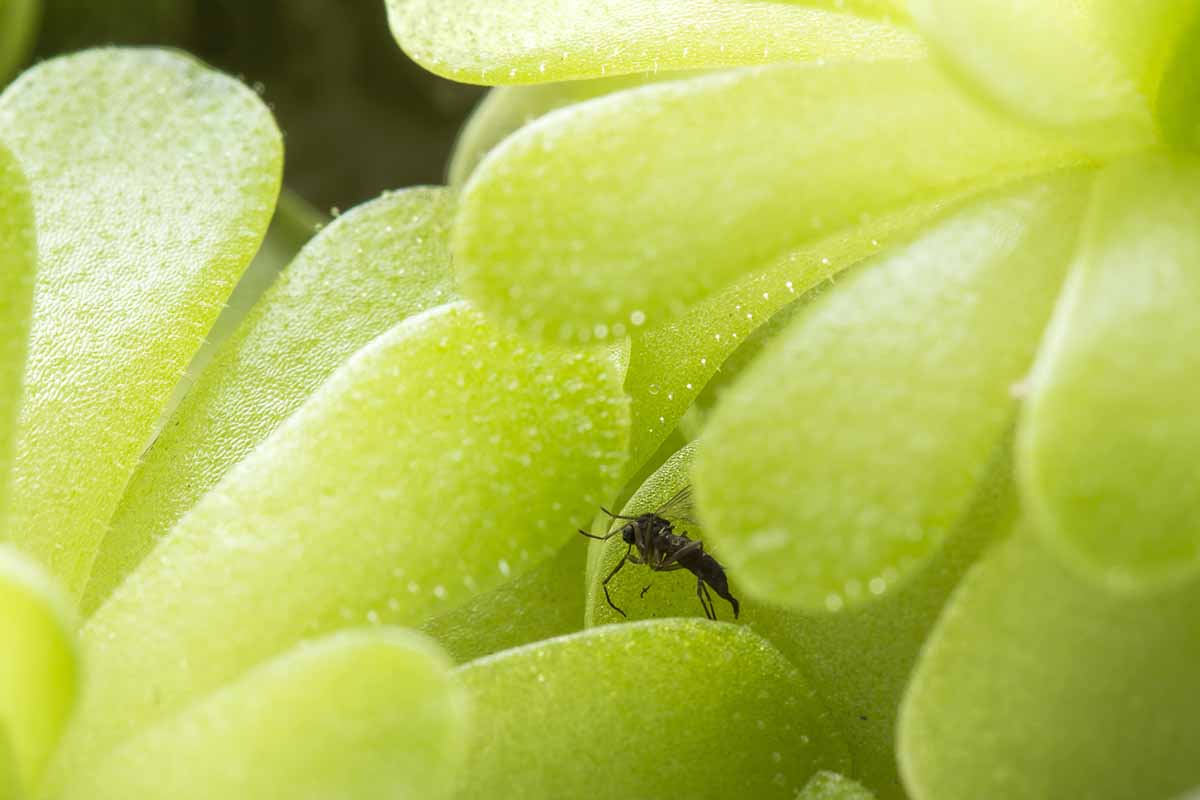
(679,507)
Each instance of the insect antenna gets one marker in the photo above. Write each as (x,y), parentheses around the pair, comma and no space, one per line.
(603,538)
(615,516)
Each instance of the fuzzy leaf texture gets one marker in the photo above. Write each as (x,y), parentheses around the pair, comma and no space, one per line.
(442,458)
(743,166)
(730,717)
(369,269)
(369,714)
(920,350)
(519,42)
(153,180)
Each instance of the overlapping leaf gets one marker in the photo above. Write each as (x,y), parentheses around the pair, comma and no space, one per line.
(18,264)
(368,270)
(438,461)
(516,42)
(369,714)
(858,660)
(39,669)
(741,167)
(1078,63)
(1111,435)
(870,423)
(1036,684)
(153,180)
(672,708)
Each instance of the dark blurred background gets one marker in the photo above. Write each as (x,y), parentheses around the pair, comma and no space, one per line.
(358,116)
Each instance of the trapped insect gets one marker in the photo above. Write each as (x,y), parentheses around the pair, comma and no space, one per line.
(663,550)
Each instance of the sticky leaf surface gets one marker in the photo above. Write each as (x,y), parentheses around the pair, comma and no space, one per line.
(18,264)
(438,461)
(368,713)
(514,41)
(870,423)
(721,711)
(742,167)
(368,270)
(153,180)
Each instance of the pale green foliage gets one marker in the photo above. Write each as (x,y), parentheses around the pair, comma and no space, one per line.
(439,459)
(18,262)
(39,668)
(672,708)
(516,42)
(371,268)
(139,245)
(544,602)
(368,714)
(858,659)
(1111,433)
(1085,62)
(508,108)
(869,425)
(563,249)
(1038,685)
(831,786)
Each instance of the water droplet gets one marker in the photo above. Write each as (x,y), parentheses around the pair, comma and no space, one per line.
(637,318)
(505,569)
(834,602)
(652,388)
(877,586)
(439,591)
(373,617)
(413,587)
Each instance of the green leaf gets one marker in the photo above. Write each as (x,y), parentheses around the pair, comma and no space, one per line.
(153,180)
(374,266)
(672,363)
(1110,434)
(543,603)
(439,460)
(858,660)
(674,708)
(1037,684)
(18,264)
(521,42)
(507,109)
(870,423)
(831,786)
(743,166)
(1090,62)
(360,713)
(18,25)
(39,669)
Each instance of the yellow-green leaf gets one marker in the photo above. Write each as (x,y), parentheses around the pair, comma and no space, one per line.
(672,708)
(371,268)
(39,667)
(524,41)
(439,460)
(18,264)
(153,180)
(869,424)
(369,714)
(1110,438)
(742,167)
(1037,684)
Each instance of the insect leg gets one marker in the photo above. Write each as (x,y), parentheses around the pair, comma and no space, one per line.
(616,569)
(646,589)
(705,600)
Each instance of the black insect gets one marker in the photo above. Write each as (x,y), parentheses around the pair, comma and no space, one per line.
(663,550)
